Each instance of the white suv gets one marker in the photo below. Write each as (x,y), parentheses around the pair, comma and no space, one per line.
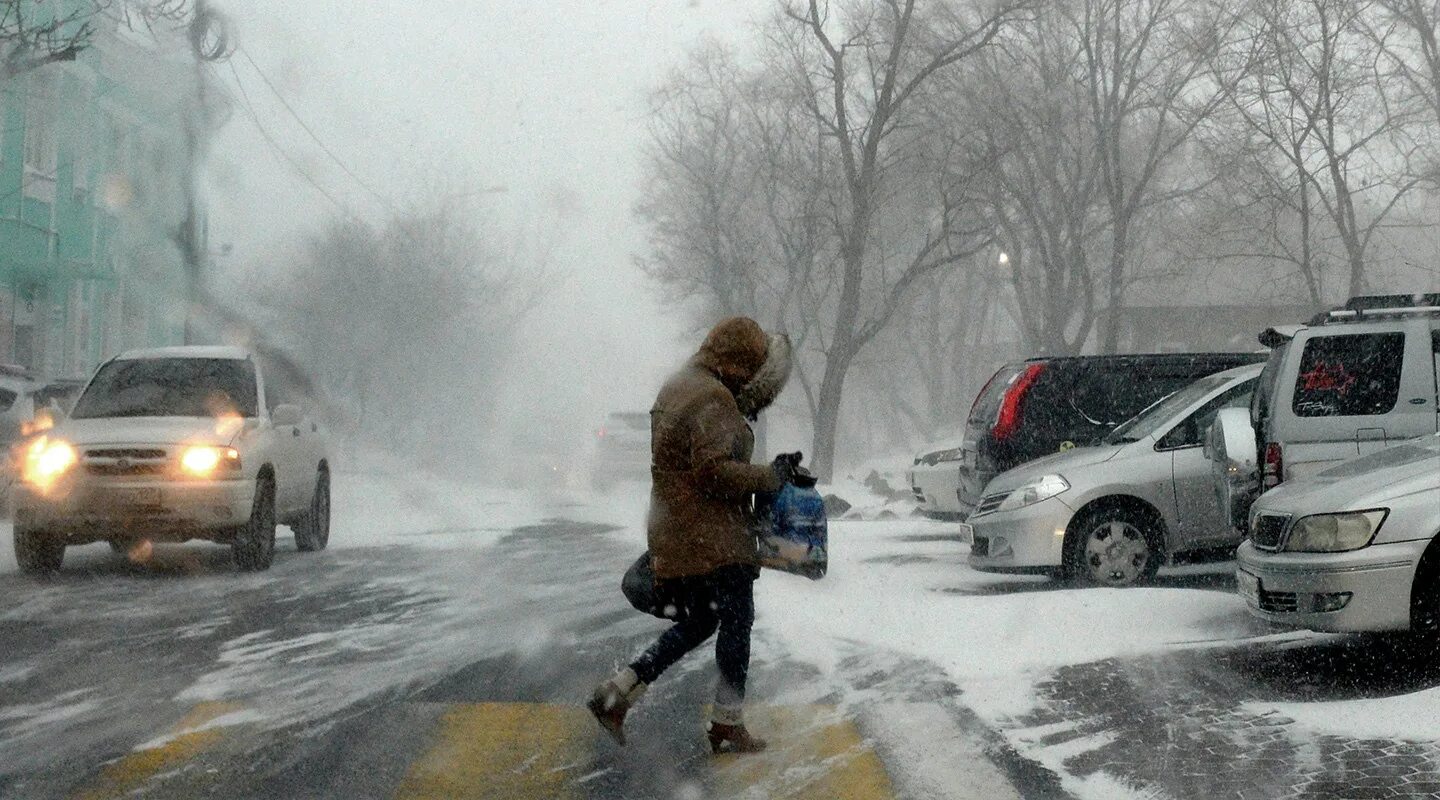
(1355,381)
(175,444)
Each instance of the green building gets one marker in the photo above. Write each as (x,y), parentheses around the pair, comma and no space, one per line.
(94,163)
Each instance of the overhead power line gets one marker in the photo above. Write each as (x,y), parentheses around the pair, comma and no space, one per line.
(280,151)
(275,90)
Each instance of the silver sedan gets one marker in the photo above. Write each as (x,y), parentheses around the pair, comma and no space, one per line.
(1111,514)
(1353,548)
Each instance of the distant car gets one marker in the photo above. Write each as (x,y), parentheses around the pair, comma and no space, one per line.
(622,450)
(1034,408)
(935,479)
(174,444)
(61,393)
(1112,514)
(1354,381)
(1355,547)
(17,405)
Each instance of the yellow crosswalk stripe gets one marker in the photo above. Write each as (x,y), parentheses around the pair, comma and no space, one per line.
(814,754)
(510,751)
(188,738)
(518,751)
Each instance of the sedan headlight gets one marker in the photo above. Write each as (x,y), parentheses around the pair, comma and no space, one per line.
(1042,488)
(1335,533)
(47,460)
(202,461)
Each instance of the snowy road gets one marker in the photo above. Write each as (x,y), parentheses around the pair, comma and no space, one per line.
(443,644)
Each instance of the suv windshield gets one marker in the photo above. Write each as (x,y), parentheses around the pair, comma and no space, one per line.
(1158,414)
(170,387)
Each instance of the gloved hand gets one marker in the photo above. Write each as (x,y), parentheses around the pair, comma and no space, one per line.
(786,465)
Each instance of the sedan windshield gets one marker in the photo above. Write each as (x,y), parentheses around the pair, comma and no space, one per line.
(170,387)
(1163,411)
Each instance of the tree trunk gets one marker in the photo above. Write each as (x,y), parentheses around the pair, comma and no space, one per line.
(827,415)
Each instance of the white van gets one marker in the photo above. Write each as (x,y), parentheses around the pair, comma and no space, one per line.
(1354,381)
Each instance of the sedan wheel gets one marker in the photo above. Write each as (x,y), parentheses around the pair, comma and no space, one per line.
(1116,550)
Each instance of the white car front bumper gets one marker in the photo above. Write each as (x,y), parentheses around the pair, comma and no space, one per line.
(87,510)
(935,488)
(1294,588)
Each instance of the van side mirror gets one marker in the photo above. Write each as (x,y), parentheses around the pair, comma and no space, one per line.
(286,415)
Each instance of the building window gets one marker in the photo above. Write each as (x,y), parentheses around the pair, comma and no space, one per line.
(78,321)
(40,110)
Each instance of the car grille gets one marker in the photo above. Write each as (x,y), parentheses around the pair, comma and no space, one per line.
(1279,602)
(990,502)
(1269,530)
(980,547)
(133,453)
(115,470)
(126,462)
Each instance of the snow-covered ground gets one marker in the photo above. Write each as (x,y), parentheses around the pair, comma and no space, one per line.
(903,588)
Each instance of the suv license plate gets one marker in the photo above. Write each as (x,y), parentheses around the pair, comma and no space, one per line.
(139,498)
(1249,587)
(967,533)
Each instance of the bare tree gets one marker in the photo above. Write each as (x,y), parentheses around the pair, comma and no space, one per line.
(1338,143)
(864,68)
(1408,32)
(33,34)
(1146,69)
(1043,186)
(405,326)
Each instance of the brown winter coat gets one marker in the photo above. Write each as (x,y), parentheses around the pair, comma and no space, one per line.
(700,453)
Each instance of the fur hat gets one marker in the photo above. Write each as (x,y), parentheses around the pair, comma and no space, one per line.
(762,389)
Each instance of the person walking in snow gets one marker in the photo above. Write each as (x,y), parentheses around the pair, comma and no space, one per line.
(701,545)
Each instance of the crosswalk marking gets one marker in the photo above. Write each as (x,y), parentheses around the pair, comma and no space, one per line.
(188,738)
(489,751)
(529,751)
(814,754)
(504,750)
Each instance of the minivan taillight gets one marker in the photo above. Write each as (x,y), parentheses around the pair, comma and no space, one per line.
(1274,472)
(1007,421)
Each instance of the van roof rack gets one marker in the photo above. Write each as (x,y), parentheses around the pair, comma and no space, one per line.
(1383,306)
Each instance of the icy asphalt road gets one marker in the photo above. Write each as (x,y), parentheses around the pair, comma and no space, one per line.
(423,656)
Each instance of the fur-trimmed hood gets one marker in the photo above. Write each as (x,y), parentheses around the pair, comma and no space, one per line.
(769,380)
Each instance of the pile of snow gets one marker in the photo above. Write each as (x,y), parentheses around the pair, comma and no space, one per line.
(874,490)
(1409,717)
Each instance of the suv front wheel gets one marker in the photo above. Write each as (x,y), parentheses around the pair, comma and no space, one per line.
(37,551)
(254,546)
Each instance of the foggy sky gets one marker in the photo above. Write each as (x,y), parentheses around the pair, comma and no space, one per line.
(543,103)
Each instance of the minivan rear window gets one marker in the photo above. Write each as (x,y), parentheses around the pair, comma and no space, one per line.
(1349,375)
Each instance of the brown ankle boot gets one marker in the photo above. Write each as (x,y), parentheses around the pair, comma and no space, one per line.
(732,739)
(610,704)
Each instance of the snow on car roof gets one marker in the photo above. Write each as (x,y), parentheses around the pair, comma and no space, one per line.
(187,351)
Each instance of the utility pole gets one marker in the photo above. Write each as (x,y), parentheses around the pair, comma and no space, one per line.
(209,42)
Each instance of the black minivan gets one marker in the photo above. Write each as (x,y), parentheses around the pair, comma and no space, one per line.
(1034,408)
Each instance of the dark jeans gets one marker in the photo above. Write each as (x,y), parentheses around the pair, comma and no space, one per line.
(721,599)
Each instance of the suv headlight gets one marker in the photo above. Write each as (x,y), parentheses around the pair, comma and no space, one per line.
(47,460)
(1335,533)
(1042,488)
(202,461)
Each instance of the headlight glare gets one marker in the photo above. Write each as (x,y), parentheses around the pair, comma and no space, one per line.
(1042,488)
(203,460)
(48,459)
(1335,533)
